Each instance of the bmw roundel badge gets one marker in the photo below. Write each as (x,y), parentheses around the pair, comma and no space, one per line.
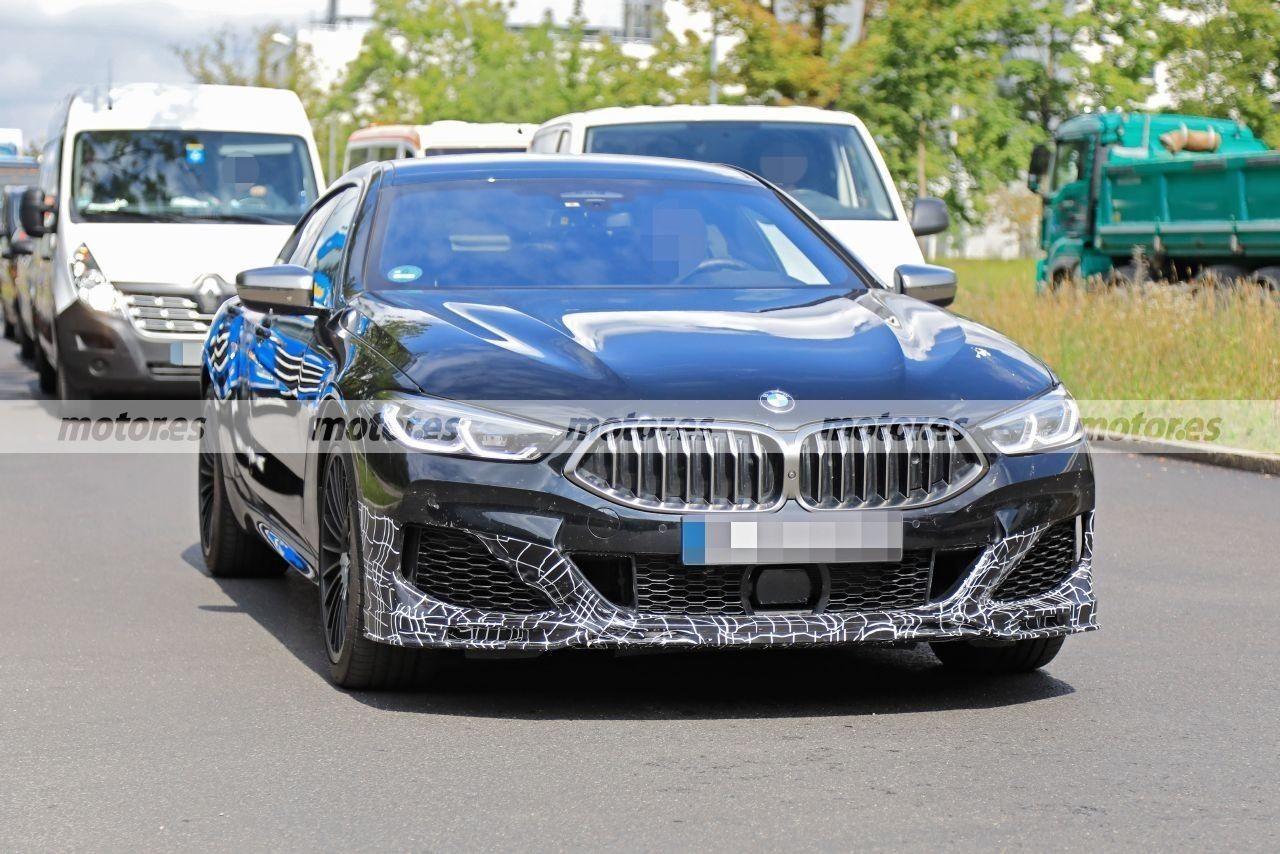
(777,400)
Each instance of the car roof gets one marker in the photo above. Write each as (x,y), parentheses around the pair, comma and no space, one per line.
(704,113)
(535,166)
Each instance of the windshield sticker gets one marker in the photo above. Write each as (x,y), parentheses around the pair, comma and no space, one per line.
(195,153)
(405,273)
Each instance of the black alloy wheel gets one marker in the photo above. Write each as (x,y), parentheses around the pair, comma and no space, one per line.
(337,553)
(355,661)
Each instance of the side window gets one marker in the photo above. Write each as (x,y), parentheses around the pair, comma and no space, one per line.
(1069,166)
(330,245)
(357,155)
(51,166)
(300,247)
(544,141)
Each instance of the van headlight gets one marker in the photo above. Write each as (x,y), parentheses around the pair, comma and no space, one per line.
(1049,421)
(93,287)
(442,427)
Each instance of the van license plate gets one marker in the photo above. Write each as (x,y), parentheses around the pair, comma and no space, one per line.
(186,354)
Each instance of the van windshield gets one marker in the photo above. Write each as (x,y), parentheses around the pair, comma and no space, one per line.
(825,167)
(190,176)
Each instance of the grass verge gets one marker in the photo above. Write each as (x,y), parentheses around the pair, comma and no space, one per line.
(1158,343)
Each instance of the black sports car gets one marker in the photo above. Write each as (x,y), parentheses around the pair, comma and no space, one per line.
(528,403)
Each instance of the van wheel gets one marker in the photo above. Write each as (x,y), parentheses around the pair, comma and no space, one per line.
(26,348)
(45,371)
(996,657)
(229,550)
(354,660)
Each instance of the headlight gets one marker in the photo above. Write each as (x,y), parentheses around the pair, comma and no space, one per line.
(92,287)
(441,427)
(1049,421)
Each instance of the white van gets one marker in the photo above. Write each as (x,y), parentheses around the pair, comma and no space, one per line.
(151,199)
(826,160)
(394,142)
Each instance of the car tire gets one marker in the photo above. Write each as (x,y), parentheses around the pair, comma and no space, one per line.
(1021,656)
(229,550)
(355,662)
(10,330)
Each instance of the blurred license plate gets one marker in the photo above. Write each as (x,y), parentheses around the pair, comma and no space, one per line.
(186,354)
(856,536)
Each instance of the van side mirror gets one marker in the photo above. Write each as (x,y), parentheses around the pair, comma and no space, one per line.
(929,216)
(926,282)
(286,288)
(1038,167)
(35,212)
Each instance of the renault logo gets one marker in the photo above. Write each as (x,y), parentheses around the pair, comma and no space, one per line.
(209,296)
(777,400)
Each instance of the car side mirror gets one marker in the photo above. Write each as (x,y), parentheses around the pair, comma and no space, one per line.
(929,216)
(35,212)
(286,288)
(1038,167)
(926,282)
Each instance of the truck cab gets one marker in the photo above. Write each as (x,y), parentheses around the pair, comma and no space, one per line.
(1155,195)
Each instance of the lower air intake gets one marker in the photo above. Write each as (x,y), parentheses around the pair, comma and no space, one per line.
(1047,565)
(455,567)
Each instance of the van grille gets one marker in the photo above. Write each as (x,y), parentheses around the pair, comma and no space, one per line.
(166,315)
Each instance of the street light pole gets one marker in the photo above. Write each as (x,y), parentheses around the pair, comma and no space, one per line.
(714,95)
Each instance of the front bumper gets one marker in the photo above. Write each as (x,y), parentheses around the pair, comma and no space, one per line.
(535,531)
(106,355)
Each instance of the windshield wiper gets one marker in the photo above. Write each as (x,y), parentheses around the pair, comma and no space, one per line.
(124,214)
(240,217)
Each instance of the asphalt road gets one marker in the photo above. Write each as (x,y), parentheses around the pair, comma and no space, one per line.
(145,705)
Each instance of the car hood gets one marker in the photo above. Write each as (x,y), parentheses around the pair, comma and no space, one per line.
(179,253)
(669,344)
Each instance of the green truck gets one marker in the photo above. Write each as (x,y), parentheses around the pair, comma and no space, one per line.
(1134,196)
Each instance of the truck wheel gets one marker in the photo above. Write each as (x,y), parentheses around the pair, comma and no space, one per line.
(1223,275)
(1269,279)
(1129,275)
(993,657)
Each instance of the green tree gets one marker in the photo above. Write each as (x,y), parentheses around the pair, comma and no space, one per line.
(1224,61)
(425,60)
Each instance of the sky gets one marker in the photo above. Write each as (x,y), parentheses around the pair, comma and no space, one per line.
(49,48)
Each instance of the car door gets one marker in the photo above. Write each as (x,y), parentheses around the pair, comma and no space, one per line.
(281,376)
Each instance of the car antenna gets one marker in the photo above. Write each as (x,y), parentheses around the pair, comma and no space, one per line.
(109,104)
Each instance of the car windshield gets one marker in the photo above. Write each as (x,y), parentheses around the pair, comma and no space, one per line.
(588,232)
(200,176)
(826,167)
